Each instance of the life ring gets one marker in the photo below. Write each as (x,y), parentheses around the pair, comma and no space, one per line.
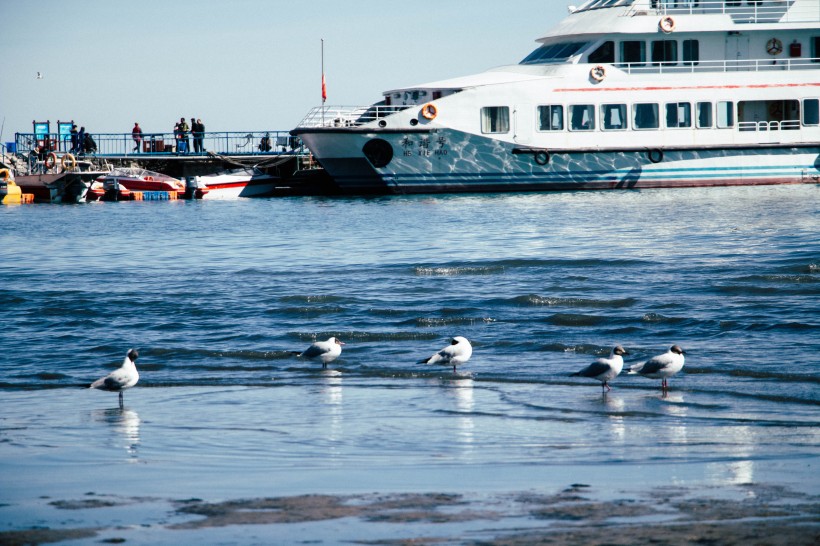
(667,24)
(51,160)
(597,73)
(542,157)
(655,155)
(68,162)
(6,174)
(774,47)
(149,178)
(429,111)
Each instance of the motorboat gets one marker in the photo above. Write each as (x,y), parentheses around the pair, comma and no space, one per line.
(66,181)
(620,94)
(135,179)
(232,184)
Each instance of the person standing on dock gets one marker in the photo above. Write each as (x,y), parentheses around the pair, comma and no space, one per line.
(198,129)
(81,140)
(136,134)
(185,144)
(75,140)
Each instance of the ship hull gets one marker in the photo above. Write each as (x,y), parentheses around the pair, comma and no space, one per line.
(449,161)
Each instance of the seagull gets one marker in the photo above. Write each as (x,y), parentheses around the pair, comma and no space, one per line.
(661,366)
(125,377)
(605,369)
(39,75)
(326,351)
(458,352)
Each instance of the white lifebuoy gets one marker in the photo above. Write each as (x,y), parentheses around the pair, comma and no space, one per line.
(597,73)
(774,47)
(429,111)
(68,162)
(667,24)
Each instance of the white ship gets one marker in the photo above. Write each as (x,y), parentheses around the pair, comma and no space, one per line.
(621,94)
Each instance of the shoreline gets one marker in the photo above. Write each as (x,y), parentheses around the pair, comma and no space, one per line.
(576,514)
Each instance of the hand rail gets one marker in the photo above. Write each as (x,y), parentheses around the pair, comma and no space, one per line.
(124,144)
(741,11)
(723,65)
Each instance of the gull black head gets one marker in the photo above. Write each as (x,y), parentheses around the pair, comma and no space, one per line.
(338,341)
(677,350)
(618,350)
(133,355)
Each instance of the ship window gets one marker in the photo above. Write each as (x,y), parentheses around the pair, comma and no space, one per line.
(554,53)
(613,117)
(725,114)
(664,52)
(691,52)
(815,49)
(704,115)
(605,53)
(633,52)
(495,119)
(582,117)
(678,114)
(645,116)
(551,118)
(811,112)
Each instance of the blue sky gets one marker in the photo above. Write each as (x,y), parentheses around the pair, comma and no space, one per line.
(243,64)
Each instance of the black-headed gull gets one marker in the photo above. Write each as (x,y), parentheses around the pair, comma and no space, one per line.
(457,353)
(661,366)
(124,377)
(325,351)
(605,369)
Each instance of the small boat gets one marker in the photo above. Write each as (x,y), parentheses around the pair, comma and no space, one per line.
(65,187)
(136,179)
(232,184)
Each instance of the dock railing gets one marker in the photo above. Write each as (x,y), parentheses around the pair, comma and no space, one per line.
(237,143)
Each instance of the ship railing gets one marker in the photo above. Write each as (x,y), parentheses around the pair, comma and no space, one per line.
(348,116)
(725,65)
(741,11)
(270,142)
(785,125)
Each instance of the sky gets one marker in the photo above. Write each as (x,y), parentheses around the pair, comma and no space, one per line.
(241,65)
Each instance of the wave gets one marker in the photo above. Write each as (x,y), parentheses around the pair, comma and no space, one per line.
(451,271)
(574,319)
(755,374)
(501,266)
(539,301)
(434,322)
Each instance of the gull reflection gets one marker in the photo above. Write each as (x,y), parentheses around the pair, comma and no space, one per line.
(461,390)
(615,408)
(331,391)
(673,405)
(125,423)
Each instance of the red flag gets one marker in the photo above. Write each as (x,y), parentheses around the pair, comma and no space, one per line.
(324,89)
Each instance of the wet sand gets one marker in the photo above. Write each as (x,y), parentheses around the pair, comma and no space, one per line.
(745,514)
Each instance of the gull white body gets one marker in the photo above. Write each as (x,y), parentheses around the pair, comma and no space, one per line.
(124,377)
(662,366)
(457,353)
(605,369)
(324,351)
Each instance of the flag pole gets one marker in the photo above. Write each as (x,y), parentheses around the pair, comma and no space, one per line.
(324,96)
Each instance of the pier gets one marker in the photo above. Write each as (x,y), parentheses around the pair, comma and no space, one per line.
(272,151)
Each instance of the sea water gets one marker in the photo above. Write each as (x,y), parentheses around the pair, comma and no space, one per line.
(218,296)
